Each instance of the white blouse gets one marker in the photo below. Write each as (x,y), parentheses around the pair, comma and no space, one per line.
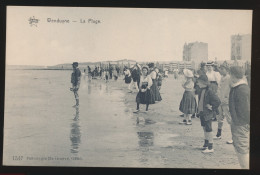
(146,79)
(153,74)
(127,72)
(214,76)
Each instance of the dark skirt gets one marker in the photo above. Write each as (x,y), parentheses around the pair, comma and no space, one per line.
(159,83)
(145,97)
(188,103)
(155,90)
(214,86)
(136,78)
(128,79)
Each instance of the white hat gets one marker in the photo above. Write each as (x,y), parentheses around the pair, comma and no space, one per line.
(187,73)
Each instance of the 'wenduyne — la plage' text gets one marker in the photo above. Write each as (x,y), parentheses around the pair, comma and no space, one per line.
(66,21)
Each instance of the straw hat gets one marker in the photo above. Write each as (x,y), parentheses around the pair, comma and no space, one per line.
(145,67)
(210,63)
(187,73)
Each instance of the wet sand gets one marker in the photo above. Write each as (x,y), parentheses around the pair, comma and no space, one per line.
(39,126)
(175,145)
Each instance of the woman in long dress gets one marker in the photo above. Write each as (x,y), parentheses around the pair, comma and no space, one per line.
(188,103)
(128,78)
(154,87)
(214,78)
(145,94)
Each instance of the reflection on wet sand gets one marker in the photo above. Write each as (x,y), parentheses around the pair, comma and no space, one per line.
(146,140)
(89,88)
(107,88)
(100,87)
(75,133)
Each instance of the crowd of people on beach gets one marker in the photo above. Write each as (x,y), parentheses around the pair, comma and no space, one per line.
(212,93)
(222,92)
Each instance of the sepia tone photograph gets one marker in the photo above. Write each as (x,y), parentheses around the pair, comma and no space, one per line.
(127,87)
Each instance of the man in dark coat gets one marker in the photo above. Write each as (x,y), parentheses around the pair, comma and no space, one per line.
(75,80)
(208,102)
(239,107)
(136,73)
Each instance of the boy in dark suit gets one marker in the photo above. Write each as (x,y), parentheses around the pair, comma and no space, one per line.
(208,102)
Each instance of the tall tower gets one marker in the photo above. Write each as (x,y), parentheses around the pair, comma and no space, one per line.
(196,51)
(241,47)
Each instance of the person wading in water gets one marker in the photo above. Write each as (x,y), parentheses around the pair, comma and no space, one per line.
(75,80)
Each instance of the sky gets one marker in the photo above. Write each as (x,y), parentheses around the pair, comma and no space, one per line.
(139,34)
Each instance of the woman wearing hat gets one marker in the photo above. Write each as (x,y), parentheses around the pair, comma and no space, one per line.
(145,94)
(213,77)
(154,88)
(188,103)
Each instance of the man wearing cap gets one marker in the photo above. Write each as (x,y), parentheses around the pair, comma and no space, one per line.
(239,107)
(75,80)
(208,102)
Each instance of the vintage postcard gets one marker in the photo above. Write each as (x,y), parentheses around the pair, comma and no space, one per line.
(127,87)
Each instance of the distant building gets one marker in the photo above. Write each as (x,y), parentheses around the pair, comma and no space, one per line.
(241,47)
(197,52)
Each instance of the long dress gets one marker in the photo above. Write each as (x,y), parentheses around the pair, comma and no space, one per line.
(188,104)
(128,77)
(147,96)
(154,87)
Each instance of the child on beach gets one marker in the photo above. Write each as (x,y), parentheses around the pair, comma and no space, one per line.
(188,103)
(144,95)
(208,102)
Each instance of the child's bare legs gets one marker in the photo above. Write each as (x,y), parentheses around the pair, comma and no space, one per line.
(137,89)
(129,86)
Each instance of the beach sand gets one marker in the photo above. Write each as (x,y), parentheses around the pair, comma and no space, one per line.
(39,126)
